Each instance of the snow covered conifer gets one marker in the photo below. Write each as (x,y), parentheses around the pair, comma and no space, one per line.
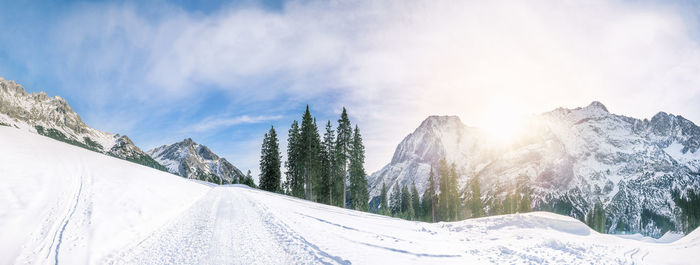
(395,200)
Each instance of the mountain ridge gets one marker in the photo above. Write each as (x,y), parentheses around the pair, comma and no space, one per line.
(55,118)
(570,158)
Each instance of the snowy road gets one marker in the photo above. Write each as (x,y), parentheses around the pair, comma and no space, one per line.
(224,227)
(60,204)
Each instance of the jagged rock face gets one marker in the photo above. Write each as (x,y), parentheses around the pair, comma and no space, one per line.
(569,159)
(53,117)
(195,161)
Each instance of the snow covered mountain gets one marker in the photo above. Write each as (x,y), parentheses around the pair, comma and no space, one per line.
(53,117)
(569,159)
(60,204)
(195,161)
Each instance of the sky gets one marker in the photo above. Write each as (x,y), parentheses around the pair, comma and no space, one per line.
(223,72)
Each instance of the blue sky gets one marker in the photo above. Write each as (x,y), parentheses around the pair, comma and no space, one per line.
(222,72)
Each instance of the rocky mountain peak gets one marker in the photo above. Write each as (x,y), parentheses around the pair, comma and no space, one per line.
(597,105)
(439,121)
(12,88)
(189,159)
(125,139)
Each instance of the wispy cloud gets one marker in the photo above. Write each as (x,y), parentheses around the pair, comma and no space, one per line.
(391,63)
(218,123)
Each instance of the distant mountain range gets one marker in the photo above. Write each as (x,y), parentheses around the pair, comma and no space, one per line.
(53,117)
(569,159)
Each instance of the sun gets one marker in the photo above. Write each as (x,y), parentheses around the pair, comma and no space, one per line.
(503,123)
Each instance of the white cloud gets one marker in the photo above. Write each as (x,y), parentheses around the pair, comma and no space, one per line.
(217,123)
(395,62)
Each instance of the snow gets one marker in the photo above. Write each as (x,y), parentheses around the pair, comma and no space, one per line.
(63,204)
(675,150)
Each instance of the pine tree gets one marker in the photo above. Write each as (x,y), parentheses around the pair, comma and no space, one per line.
(525,203)
(426,204)
(475,204)
(294,183)
(431,196)
(270,172)
(384,204)
(405,200)
(596,218)
(343,146)
(600,217)
(415,201)
(327,172)
(309,145)
(496,207)
(358,176)
(395,200)
(453,196)
(443,198)
(248,180)
(410,212)
(448,204)
(508,203)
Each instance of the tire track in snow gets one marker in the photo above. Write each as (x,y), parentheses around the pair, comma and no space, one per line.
(294,244)
(183,240)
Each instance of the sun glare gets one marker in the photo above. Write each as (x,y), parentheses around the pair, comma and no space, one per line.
(503,123)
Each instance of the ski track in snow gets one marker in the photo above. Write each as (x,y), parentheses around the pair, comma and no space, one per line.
(67,220)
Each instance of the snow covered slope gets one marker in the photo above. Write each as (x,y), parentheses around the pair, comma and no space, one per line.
(60,204)
(569,159)
(195,161)
(53,117)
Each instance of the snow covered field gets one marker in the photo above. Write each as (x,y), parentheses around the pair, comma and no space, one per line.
(63,204)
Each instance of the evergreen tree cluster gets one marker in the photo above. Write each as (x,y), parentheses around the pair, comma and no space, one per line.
(441,200)
(690,209)
(404,202)
(320,168)
(517,200)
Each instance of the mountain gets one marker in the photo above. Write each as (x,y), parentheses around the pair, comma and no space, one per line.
(66,205)
(195,161)
(569,159)
(53,117)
